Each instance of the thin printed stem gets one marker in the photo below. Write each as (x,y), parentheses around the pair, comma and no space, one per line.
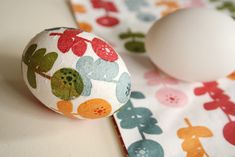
(229,119)
(131,34)
(206,154)
(190,125)
(161,79)
(187,122)
(141,133)
(133,39)
(43,75)
(54,34)
(139,129)
(106,12)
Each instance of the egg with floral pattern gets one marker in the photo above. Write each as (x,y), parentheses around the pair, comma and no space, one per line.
(75,73)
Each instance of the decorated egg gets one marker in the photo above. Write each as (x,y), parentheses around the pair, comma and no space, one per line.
(194,44)
(75,73)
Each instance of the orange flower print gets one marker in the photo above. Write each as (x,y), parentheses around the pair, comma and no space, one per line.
(170,5)
(191,136)
(94,108)
(78,8)
(84,26)
(231,76)
(66,108)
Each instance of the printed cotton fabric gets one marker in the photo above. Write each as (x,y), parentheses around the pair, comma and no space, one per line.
(164,116)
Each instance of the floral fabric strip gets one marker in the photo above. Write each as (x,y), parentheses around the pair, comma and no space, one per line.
(164,116)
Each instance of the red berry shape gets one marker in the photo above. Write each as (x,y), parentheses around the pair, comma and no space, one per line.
(64,43)
(72,32)
(103,50)
(79,48)
(229,132)
(107,21)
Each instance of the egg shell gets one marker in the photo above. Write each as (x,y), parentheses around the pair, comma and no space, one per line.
(196,44)
(75,73)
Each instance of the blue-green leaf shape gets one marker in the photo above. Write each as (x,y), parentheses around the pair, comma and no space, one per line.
(149,126)
(138,117)
(137,95)
(128,116)
(145,148)
(97,70)
(104,70)
(126,111)
(84,66)
(146,17)
(87,86)
(123,88)
(135,5)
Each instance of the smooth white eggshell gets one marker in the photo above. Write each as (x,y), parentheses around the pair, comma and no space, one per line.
(194,44)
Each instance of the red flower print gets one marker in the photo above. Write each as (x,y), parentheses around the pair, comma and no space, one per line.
(107,21)
(222,101)
(69,40)
(65,43)
(108,6)
(79,47)
(209,87)
(103,50)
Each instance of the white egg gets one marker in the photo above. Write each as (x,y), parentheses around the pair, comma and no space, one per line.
(194,44)
(75,73)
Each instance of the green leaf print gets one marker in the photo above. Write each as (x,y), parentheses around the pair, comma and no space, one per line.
(38,62)
(125,35)
(47,62)
(31,77)
(134,41)
(28,53)
(227,6)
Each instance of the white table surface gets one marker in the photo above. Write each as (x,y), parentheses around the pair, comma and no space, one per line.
(27,128)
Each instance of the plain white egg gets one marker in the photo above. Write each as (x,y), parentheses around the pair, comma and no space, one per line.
(194,44)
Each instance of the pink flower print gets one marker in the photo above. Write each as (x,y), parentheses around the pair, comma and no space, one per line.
(171,97)
(195,3)
(155,78)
